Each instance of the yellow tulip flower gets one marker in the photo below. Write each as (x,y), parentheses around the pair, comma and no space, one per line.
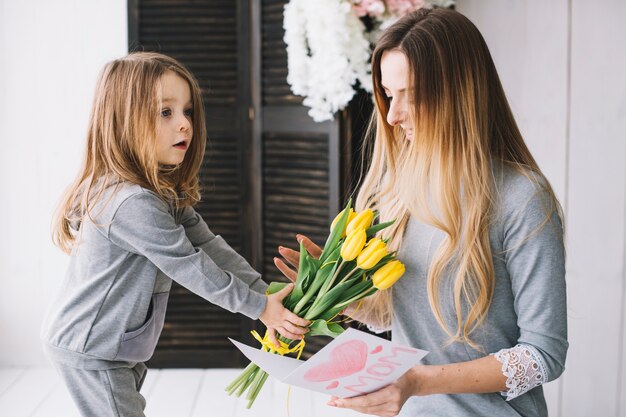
(375,250)
(337,217)
(353,244)
(387,275)
(362,219)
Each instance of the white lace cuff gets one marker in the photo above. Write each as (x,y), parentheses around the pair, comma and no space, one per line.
(376,329)
(524,369)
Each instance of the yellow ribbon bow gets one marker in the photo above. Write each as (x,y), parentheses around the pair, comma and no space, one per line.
(269,346)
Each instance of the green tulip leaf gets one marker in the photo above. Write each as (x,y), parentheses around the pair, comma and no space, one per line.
(322,275)
(323,328)
(275,286)
(353,292)
(328,300)
(304,272)
(377,228)
(330,313)
(335,235)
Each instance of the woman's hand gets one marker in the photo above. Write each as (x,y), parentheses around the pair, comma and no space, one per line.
(386,402)
(476,376)
(293,257)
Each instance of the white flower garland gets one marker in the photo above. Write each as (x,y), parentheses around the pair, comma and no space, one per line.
(329,48)
(327,54)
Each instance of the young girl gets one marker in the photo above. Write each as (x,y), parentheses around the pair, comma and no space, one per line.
(478,228)
(129,226)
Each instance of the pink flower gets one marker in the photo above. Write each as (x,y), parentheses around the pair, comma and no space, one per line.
(372,8)
(402,7)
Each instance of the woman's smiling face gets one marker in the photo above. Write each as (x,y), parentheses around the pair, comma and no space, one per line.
(395,79)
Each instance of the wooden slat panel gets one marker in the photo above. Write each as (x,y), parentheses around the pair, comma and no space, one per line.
(221,180)
(274,56)
(203,35)
(295,197)
(300,157)
(295,184)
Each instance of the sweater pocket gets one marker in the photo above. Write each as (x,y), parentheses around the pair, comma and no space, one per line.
(139,345)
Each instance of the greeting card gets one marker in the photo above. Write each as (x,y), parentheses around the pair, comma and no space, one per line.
(354,363)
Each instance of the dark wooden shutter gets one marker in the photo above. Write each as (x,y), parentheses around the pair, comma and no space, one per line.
(211,38)
(309,169)
(270,171)
(301,165)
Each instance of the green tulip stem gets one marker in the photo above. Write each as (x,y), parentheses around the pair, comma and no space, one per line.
(348,275)
(326,286)
(297,309)
(329,284)
(356,298)
(255,384)
(305,299)
(246,383)
(243,375)
(257,389)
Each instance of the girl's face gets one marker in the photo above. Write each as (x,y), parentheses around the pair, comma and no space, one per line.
(394,68)
(174,127)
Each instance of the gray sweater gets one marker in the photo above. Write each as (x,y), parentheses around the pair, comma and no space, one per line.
(528,307)
(111,306)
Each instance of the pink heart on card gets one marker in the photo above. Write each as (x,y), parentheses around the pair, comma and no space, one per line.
(377,349)
(346,359)
(333,385)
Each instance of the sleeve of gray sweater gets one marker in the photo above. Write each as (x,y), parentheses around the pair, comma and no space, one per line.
(535,259)
(143,225)
(226,258)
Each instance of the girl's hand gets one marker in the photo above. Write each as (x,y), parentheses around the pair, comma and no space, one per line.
(277,318)
(293,257)
(386,402)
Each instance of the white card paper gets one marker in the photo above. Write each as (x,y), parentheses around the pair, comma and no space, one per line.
(354,363)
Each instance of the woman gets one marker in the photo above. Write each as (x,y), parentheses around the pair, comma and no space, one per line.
(478,228)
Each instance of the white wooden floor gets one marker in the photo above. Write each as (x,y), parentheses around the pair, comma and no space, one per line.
(39,392)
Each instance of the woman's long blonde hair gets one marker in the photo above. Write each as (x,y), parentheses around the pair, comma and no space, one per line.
(443,176)
(121,141)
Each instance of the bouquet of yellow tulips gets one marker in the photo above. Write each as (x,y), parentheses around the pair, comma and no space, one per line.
(353,265)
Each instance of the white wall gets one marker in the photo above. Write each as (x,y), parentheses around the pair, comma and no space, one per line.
(50,55)
(563,66)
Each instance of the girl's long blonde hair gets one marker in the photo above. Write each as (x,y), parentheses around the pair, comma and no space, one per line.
(443,176)
(121,141)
